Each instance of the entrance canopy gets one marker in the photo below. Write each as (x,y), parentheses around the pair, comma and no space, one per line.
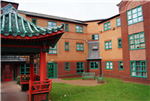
(20,36)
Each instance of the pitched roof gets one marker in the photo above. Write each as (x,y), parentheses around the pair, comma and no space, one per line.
(108,19)
(33,14)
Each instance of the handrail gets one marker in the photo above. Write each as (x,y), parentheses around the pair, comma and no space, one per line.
(40,86)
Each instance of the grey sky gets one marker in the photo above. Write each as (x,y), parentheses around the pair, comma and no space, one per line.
(75,9)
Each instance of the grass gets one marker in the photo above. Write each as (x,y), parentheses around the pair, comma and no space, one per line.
(113,90)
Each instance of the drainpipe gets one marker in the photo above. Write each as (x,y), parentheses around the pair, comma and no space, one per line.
(87,66)
(100,67)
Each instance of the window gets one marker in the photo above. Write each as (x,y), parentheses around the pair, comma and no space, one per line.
(118,22)
(34,21)
(120,43)
(79,47)
(134,15)
(51,24)
(94,65)
(138,69)
(67,46)
(108,45)
(120,65)
(137,41)
(67,66)
(25,68)
(53,50)
(80,67)
(109,65)
(95,37)
(66,27)
(107,26)
(79,29)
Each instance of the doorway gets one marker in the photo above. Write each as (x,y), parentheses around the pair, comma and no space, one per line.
(7,72)
(51,70)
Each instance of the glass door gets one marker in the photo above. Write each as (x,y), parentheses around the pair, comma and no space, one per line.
(7,72)
(51,70)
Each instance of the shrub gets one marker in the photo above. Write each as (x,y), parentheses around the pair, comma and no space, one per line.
(18,79)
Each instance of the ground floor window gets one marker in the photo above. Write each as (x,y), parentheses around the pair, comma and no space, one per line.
(67,66)
(80,67)
(94,65)
(138,68)
(109,65)
(25,68)
(120,65)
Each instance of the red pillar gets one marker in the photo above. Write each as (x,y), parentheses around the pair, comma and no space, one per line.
(42,65)
(31,75)
(31,68)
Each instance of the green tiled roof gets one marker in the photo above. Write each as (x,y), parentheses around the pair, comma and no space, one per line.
(14,24)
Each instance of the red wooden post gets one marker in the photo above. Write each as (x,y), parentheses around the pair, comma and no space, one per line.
(31,68)
(31,76)
(42,65)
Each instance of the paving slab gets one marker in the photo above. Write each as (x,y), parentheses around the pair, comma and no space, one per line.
(87,82)
(10,91)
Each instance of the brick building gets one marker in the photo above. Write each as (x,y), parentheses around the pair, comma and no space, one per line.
(117,46)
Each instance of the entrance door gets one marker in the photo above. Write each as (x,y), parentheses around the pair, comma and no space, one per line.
(51,70)
(7,72)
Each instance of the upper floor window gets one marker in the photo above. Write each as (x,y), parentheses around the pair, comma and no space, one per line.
(79,47)
(118,22)
(66,45)
(137,41)
(51,24)
(53,50)
(95,37)
(108,45)
(107,26)
(79,29)
(34,21)
(134,15)
(120,43)
(66,27)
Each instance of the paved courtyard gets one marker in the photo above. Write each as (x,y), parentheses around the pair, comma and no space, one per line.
(86,82)
(10,91)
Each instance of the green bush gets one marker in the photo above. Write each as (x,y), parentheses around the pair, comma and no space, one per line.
(18,79)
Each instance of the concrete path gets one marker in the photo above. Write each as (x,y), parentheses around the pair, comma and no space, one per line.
(90,82)
(10,91)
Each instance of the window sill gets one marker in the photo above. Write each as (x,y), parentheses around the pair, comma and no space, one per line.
(109,69)
(138,76)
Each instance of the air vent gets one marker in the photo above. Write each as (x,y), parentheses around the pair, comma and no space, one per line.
(95,47)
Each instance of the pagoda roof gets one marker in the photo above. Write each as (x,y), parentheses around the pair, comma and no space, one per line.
(15,26)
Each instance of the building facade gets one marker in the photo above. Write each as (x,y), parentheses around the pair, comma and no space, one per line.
(117,46)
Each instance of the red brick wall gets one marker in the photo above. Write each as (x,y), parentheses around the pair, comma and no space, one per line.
(115,73)
(97,71)
(125,44)
(72,72)
(146,17)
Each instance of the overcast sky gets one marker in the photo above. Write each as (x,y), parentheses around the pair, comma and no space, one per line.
(74,9)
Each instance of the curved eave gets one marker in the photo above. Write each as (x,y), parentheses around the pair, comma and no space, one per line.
(47,35)
(15,26)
